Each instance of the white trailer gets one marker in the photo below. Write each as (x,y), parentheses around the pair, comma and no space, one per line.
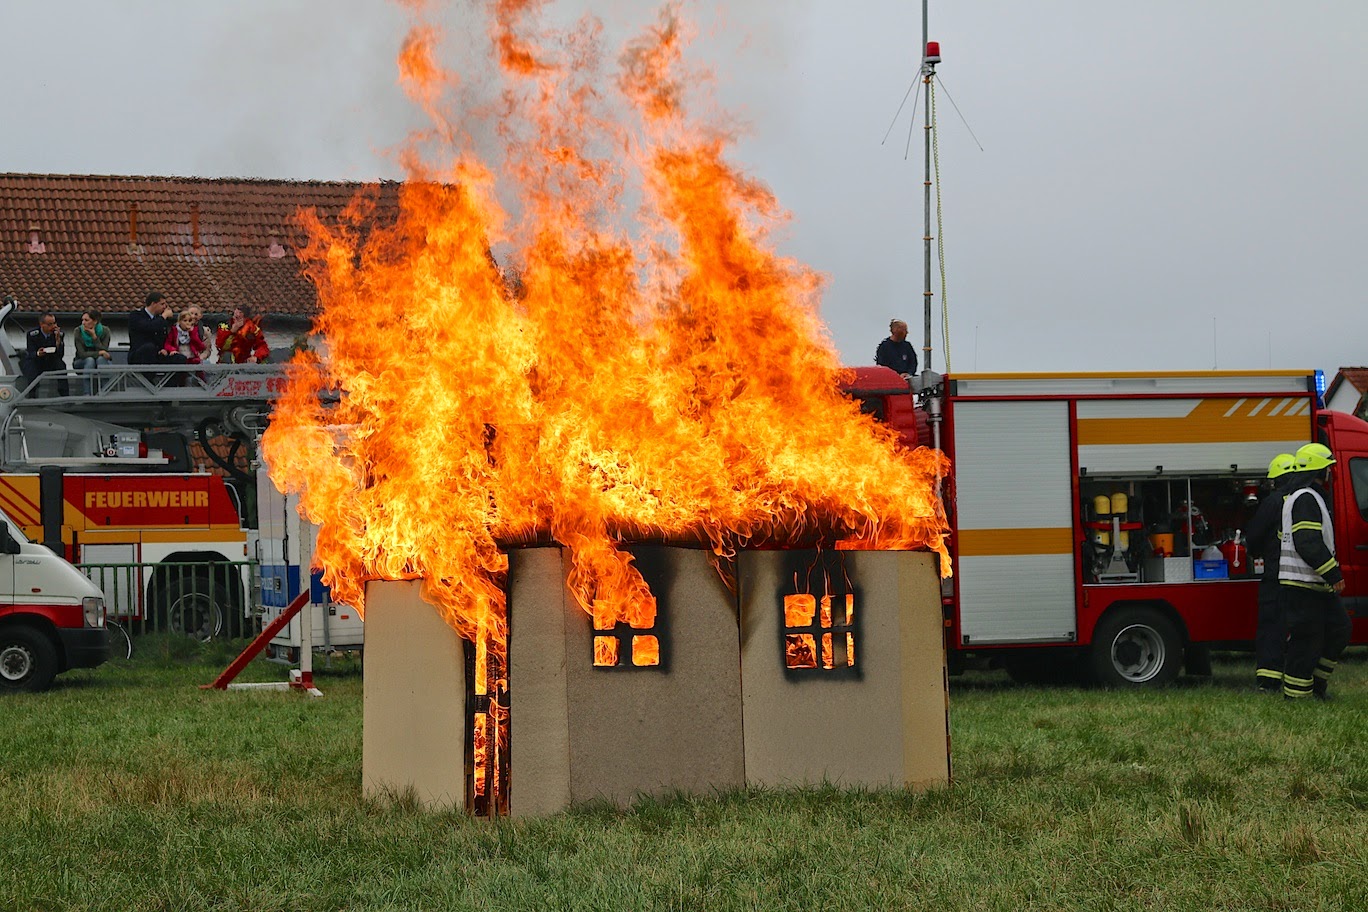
(285,547)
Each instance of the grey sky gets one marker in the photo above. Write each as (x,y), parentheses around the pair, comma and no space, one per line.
(1175,184)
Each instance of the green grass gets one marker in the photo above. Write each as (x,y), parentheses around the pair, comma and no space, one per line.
(127,788)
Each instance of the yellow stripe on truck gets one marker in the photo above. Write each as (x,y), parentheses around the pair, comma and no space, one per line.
(994,542)
(1210,421)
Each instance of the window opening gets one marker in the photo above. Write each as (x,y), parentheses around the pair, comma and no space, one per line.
(619,644)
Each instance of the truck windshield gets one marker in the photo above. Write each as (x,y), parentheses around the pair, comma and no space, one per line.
(1358,474)
(15,531)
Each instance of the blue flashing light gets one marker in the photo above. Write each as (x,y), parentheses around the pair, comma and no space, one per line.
(1320,387)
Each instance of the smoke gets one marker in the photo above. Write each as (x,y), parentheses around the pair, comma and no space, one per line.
(299,91)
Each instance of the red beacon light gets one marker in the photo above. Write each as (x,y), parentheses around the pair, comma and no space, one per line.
(933,52)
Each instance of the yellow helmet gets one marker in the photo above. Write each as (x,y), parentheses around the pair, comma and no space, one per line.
(1313,457)
(1281,465)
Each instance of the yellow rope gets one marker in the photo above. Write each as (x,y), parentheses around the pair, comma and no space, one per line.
(940,225)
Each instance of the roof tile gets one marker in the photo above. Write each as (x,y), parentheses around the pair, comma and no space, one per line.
(85,220)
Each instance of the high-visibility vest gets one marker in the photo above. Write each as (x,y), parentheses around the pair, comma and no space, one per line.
(1292,569)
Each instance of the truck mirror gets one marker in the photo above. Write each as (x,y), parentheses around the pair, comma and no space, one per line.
(8,544)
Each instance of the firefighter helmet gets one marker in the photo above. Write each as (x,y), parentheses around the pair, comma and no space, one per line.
(1281,465)
(1313,457)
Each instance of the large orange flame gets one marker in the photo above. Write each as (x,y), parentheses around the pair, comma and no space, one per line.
(656,374)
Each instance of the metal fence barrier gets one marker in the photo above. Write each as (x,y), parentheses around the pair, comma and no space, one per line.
(206,600)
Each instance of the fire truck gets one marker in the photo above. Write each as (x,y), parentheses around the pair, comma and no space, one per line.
(145,478)
(1096,518)
(161,545)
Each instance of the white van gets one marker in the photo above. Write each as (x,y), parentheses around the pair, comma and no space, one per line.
(51,616)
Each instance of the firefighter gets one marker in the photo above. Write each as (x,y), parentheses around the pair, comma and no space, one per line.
(896,352)
(1310,580)
(1270,637)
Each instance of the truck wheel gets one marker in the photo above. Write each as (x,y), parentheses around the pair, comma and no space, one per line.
(28,660)
(196,613)
(1136,647)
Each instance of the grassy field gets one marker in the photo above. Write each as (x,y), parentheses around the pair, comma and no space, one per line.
(128,788)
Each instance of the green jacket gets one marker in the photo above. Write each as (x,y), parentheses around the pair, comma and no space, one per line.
(84,351)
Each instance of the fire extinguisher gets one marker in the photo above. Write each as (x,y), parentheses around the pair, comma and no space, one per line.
(1236,555)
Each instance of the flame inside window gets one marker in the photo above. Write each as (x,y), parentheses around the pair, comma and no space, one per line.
(809,622)
(630,644)
(645,650)
(480,742)
(798,651)
(605,650)
(798,610)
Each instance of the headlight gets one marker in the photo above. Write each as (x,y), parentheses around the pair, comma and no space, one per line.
(93,606)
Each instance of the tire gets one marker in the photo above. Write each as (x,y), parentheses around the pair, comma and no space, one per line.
(120,643)
(28,659)
(1136,647)
(196,611)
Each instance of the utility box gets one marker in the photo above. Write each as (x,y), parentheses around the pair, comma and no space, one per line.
(1168,570)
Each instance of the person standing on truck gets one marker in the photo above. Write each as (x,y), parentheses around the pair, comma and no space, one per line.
(46,351)
(1318,629)
(147,330)
(1270,637)
(896,352)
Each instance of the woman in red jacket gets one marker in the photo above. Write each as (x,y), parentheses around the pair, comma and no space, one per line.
(241,342)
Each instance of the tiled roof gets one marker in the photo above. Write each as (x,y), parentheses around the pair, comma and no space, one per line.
(107,241)
(1357,377)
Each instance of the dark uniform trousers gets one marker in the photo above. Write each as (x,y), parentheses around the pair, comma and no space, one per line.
(1318,630)
(1270,638)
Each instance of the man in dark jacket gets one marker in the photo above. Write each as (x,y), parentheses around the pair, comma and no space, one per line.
(896,352)
(1311,580)
(45,351)
(147,330)
(1270,637)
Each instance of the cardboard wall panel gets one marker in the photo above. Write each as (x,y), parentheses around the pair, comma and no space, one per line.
(539,732)
(414,732)
(624,732)
(883,722)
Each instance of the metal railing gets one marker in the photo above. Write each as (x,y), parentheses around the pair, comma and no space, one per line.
(188,381)
(202,599)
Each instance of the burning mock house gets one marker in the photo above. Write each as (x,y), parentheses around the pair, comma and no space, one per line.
(608,447)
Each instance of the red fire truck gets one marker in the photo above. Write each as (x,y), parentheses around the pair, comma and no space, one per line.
(1095,518)
(143,477)
(169,550)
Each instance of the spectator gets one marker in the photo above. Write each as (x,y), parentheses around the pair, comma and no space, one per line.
(896,352)
(46,351)
(92,348)
(185,340)
(201,330)
(147,330)
(241,341)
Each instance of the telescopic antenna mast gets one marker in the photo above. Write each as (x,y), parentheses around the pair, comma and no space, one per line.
(930,57)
